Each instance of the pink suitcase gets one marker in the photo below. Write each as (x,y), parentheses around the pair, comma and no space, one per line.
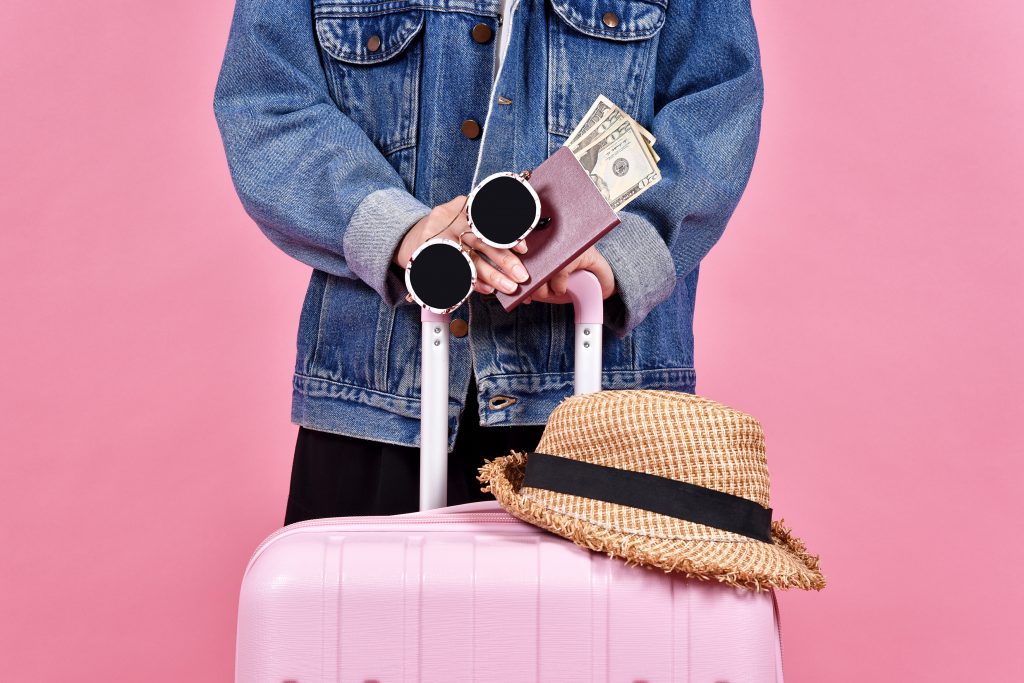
(469,593)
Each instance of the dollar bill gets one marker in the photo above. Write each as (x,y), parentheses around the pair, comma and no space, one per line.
(587,137)
(599,110)
(616,151)
(618,161)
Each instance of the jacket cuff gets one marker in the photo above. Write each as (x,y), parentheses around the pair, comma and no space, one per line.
(374,232)
(645,274)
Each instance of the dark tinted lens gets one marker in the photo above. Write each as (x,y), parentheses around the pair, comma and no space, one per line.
(503,210)
(440,276)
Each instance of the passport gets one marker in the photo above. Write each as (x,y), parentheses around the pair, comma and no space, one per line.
(579,217)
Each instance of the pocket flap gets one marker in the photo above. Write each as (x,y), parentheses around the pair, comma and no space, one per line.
(632,20)
(366,39)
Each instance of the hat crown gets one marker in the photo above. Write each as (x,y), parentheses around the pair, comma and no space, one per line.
(665,433)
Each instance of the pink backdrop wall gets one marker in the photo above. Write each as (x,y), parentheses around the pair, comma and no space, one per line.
(865,304)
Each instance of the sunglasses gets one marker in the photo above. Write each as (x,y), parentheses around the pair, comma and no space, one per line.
(440,275)
(501,211)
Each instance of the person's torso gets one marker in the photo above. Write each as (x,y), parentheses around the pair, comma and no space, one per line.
(418,76)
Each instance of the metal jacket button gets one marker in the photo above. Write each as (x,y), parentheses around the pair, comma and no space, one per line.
(471,129)
(482,33)
(459,327)
(373,43)
(501,402)
(610,19)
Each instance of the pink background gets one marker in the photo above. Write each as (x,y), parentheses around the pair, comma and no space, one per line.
(865,304)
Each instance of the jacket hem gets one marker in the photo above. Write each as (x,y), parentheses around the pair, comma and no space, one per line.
(340,408)
(535,395)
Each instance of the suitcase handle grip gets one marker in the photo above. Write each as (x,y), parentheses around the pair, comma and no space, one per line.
(585,290)
(587,302)
(583,287)
(428,316)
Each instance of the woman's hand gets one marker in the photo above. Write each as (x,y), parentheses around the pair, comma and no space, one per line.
(554,290)
(510,270)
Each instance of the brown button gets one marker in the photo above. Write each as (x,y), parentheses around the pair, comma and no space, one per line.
(610,19)
(459,327)
(471,129)
(373,43)
(482,33)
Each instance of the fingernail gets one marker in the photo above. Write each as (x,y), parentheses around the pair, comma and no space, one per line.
(519,273)
(508,286)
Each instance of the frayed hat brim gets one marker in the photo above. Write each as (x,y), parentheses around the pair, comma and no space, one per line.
(784,563)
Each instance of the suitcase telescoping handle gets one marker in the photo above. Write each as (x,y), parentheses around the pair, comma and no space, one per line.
(588,305)
(434,410)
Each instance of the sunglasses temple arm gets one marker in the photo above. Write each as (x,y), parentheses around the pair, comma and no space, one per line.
(434,410)
(588,305)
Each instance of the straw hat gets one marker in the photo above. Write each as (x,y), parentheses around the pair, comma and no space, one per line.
(660,478)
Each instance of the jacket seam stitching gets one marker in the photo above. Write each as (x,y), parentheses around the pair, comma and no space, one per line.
(609,371)
(377,392)
(320,321)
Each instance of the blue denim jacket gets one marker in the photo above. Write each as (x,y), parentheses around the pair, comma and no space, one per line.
(337,149)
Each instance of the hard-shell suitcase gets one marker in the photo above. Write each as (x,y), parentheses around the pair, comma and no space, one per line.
(469,593)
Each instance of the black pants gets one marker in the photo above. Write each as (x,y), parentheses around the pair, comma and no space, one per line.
(339,476)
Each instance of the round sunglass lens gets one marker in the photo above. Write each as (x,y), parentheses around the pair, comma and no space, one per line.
(440,276)
(503,210)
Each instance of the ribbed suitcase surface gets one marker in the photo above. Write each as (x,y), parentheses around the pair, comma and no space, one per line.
(472,594)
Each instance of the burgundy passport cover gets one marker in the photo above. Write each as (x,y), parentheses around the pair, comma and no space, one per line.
(579,217)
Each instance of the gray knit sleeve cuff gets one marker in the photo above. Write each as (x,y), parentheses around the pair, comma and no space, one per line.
(373,234)
(645,274)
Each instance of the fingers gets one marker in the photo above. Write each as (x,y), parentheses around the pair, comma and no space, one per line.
(489,275)
(504,259)
(544,294)
(483,287)
(599,266)
(555,290)
(509,264)
(560,282)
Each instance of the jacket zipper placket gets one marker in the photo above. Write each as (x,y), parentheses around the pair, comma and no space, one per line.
(502,28)
(494,86)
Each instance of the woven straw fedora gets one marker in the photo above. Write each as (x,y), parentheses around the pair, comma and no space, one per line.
(659,478)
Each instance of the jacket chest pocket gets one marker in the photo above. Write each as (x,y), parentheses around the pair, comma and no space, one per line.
(600,47)
(372,55)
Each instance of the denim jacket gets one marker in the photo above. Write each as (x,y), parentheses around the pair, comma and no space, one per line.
(343,119)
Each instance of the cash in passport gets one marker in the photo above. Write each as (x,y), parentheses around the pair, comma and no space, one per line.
(616,151)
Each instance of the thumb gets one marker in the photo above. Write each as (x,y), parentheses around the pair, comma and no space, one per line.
(455,202)
(450,209)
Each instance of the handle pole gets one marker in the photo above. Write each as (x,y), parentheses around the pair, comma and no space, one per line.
(434,411)
(588,307)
